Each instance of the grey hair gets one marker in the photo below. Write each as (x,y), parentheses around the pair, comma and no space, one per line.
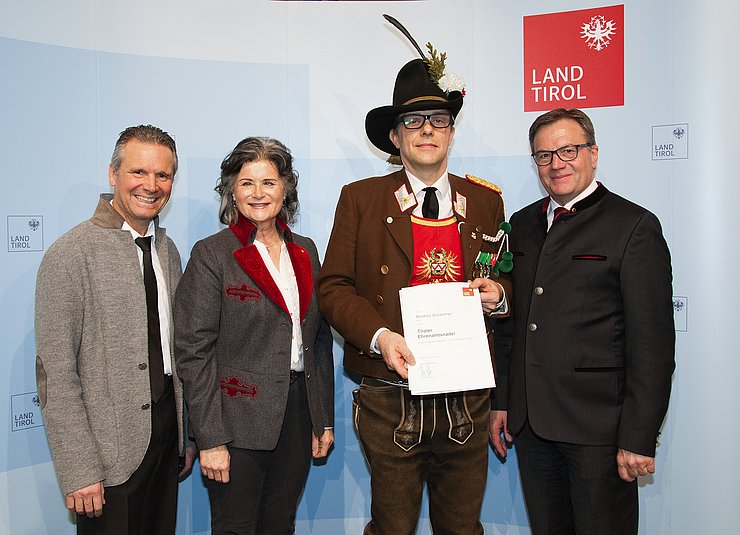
(249,150)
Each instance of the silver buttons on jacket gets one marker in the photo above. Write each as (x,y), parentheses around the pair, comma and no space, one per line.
(538,290)
(532,327)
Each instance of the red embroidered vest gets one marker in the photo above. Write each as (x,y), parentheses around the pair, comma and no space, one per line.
(437,251)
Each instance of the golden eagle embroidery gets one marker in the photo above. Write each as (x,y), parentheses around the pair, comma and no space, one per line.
(438,265)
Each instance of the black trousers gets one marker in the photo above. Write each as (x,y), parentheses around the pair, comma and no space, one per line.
(264,487)
(574,489)
(146,504)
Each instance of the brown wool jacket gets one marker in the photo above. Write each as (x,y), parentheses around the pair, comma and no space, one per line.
(369,259)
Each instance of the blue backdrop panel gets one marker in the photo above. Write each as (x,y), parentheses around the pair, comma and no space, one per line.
(300,72)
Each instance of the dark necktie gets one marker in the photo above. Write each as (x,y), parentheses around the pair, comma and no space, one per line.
(156,362)
(559,211)
(430,208)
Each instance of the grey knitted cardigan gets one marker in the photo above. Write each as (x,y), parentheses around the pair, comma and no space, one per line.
(91,344)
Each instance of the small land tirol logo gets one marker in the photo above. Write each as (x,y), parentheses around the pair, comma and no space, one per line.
(25,411)
(574,59)
(671,142)
(681,313)
(25,233)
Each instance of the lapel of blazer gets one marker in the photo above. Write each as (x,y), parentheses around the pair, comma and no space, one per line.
(160,243)
(584,204)
(471,236)
(399,223)
(539,229)
(250,260)
(303,274)
(528,232)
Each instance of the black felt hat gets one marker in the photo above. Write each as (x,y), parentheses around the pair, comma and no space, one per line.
(416,89)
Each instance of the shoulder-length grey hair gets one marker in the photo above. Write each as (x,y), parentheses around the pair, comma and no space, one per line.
(253,149)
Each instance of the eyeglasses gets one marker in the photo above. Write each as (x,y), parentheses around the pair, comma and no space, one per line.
(566,154)
(414,121)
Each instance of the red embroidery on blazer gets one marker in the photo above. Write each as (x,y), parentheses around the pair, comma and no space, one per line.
(243,293)
(248,257)
(237,388)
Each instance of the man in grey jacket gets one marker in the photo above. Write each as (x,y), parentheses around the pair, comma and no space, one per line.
(110,397)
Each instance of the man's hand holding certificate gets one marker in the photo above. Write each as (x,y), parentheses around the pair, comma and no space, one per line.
(444,328)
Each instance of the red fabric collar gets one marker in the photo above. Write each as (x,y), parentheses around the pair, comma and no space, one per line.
(245,230)
(250,260)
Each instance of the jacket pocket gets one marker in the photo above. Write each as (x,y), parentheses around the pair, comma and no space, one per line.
(356,407)
(593,257)
(600,369)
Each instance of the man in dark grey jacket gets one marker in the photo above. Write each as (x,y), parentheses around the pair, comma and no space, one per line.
(111,400)
(586,384)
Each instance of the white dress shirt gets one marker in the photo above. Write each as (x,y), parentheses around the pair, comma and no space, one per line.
(163,300)
(444,194)
(285,280)
(553,205)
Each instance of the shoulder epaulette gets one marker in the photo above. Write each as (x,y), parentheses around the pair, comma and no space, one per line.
(480,182)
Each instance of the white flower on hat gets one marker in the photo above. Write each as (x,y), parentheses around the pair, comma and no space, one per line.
(436,64)
(451,82)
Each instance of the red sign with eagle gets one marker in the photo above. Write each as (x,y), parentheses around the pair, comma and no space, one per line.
(574,59)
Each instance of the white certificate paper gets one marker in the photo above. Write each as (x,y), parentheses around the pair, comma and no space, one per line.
(444,328)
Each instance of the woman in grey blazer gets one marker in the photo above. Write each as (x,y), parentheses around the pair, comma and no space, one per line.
(253,353)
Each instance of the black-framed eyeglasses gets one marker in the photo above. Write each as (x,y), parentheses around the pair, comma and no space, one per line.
(568,153)
(414,121)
